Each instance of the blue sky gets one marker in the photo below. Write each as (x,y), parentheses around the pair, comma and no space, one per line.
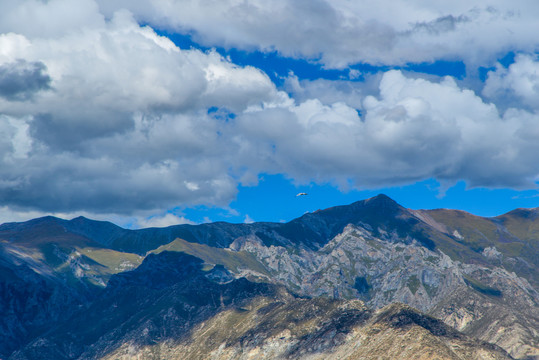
(274,200)
(153,113)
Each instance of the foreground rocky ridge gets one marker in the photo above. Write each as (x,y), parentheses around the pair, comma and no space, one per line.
(478,275)
(169,307)
(317,329)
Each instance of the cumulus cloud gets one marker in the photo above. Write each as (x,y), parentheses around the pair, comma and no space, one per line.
(340,32)
(101,115)
(15,142)
(415,129)
(331,91)
(515,86)
(124,123)
(20,80)
(123,67)
(48,19)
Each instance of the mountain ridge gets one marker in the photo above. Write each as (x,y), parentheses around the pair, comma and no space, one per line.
(258,318)
(478,275)
(382,197)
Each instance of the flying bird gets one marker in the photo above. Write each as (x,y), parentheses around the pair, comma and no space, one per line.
(301,194)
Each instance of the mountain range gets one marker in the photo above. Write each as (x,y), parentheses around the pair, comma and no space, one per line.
(359,281)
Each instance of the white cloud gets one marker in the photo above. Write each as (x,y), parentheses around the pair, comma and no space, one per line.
(15,142)
(47,19)
(163,221)
(341,32)
(118,120)
(124,125)
(415,129)
(517,85)
(332,91)
(124,68)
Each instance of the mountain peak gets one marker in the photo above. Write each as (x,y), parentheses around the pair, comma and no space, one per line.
(380,196)
(80,218)
(44,220)
(381,200)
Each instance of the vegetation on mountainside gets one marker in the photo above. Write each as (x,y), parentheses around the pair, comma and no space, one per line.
(482,288)
(232,260)
(413,284)
(515,235)
(114,261)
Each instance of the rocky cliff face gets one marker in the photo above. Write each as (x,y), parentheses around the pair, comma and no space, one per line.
(356,264)
(318,329)
(171,308)
(477,275)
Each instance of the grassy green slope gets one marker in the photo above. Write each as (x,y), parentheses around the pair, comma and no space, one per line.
(232,260)
(515,235)
(475,232)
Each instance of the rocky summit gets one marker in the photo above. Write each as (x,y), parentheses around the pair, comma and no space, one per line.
(369,280)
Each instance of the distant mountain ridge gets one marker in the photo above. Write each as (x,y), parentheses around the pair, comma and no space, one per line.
(311,230)
(314,230)
(479,275)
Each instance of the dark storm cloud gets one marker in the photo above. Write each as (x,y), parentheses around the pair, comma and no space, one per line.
(21,80)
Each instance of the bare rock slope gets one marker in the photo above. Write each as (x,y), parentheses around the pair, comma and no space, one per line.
(153,289)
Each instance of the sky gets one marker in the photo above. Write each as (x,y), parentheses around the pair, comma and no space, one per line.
(155,113)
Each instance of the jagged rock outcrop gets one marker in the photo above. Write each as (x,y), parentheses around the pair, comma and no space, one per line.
(317,328)
(490,303)
(169,307)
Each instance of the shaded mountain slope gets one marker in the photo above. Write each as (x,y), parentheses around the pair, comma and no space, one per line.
(171,308)
(31,298)
(46,274)
(479,275)
(380,214)
(160,300)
